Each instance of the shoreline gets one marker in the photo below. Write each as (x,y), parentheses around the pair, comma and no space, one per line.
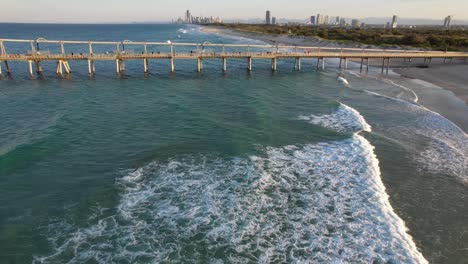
(442,87)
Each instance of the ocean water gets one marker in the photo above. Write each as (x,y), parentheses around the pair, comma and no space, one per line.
(295,167)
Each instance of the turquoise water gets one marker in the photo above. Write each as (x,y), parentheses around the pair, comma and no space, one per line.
(224,168)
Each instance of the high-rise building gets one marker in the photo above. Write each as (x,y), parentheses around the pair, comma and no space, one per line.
(268,18)
(326,20)
(319,19)
(342,22)
(395,22)
(355,23)
(448,21)
(337,20)
(273,20)
(188,17)
(312,20)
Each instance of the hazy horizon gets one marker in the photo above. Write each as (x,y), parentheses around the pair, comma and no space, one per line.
(119,11)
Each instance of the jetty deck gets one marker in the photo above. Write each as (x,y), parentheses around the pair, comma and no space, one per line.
(198,51)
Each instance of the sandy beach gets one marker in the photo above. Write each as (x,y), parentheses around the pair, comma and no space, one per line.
(441,87)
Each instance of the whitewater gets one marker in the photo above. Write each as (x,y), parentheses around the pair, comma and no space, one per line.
(320,203)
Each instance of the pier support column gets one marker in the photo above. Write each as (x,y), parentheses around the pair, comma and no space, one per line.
(249,63)
(38,67)
(0,69)
(383,65)
(59,69)
(388,65)
(66,66)
(200,64)
(91,68)
(367,65)
(120,66)
(7,67)
(172,65)
(274,64)
(321,63)
(346,63)
(341,61)
(224,65)
(145,64)
(31,67)
(297,65)
(362,64)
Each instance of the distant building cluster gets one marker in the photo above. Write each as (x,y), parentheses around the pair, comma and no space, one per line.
(190,19)
(320,20)
(336,21)
(315,20)
(393,24)
(269,20)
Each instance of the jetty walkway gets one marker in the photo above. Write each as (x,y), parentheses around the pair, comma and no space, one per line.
(122,51)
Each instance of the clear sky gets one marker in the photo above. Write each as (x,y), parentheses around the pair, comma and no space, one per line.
(90,11)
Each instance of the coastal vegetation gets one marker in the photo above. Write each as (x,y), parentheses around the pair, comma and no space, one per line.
(421,37)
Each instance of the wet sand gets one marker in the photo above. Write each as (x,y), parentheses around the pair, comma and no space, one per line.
(441,88)
(453,77)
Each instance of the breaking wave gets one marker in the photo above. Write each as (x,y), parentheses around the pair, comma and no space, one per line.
(345,119)
(321,203)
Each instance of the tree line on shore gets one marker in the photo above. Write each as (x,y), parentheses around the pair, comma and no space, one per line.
(420,37)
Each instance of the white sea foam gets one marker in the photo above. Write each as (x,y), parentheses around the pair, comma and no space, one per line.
(320,203)
(343,80)
(345,119)
(401,95)
(446,151)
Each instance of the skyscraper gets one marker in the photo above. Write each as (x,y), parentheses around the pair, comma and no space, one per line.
(273,20)
(326,20)
(319,19)
(447,21)
(268,18)
(312,20)
(395,22)
(342,22)
(355,23)
(188,17)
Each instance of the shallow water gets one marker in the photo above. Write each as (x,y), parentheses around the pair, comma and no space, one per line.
(236,167)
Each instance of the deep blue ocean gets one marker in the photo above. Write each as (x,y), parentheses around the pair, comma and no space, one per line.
(213,167)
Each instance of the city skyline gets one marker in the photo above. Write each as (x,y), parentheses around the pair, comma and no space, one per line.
(119,11)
